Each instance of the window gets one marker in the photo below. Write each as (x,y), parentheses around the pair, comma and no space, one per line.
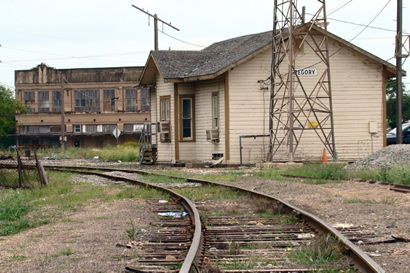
(43,102)
(165,108)
(109,100)
(145,97)
(186,113)
(29,101)
(215,110)
(77,128)
(87,100)
(57,101)
(131,100)
(109,128)
(91,128)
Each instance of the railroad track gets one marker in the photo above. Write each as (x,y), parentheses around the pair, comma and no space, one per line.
(241,231)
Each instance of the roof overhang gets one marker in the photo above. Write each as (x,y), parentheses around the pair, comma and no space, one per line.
(151,69)
(388,67)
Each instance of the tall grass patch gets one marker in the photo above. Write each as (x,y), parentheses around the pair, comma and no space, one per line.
(318,171)
(23,209)
(127,152)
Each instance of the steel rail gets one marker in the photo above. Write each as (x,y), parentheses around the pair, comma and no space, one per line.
(194,248)
(361,259)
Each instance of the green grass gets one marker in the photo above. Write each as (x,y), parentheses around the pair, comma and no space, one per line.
(162,179)
(324,251)
(24,209)
(394,175)
(127,152)
(317,171)
(209,193)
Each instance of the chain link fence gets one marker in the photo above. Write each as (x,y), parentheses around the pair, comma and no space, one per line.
(22,170)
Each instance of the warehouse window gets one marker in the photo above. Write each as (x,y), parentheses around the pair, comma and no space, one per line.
(43,102)
(187,118)
(215,110)
(87,100)
(145,103)
(109,100)
(29,101)
(165,108)
(131,100)
(77,128)
(57,101)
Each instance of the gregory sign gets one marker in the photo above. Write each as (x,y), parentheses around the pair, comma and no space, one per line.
(306,72)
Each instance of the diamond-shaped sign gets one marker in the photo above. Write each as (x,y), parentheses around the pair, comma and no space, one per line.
(116,132)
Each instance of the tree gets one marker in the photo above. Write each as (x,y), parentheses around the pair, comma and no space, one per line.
(391,103)
(8,108)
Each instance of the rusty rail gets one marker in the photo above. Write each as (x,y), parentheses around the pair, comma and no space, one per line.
(361,260)
(194,248)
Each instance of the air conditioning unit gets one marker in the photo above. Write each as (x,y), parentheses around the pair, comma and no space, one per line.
(165,137)
(212,135)
(165,131)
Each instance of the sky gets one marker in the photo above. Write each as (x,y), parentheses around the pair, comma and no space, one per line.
(107,33)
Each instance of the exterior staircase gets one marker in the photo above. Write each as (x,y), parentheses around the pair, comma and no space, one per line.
(148,151)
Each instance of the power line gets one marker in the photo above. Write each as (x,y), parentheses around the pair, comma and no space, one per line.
(377,15)
(340,7)
(78,57)
(182,41)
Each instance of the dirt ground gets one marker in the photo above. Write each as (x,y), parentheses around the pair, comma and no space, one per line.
(84,241)
(371,206)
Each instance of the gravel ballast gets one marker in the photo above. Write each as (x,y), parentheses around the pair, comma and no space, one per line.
(388,157)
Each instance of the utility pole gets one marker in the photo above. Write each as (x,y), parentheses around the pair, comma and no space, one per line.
(62,112)
(156,19)
(399,88)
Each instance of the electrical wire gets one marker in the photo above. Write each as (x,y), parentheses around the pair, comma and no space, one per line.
(182,41)
(357,35)
(77,57)
(377,15)
(340,7)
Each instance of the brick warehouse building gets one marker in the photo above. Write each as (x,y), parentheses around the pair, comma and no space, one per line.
(95,101)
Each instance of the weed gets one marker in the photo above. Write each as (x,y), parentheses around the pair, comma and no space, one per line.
(209,193)
(24,209)
(324,250)
(65,252)
(17,258)
(127,152)
(132,232)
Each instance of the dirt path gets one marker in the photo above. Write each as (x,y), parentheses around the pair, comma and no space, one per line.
(373,207)
(84,241)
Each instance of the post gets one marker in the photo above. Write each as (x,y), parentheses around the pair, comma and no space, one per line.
(155,32)
(156,19)
(291,85)
(399,91)
(62,113)
(240,150)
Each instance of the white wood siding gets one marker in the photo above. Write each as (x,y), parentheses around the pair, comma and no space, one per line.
(166,151)
(153,113)
(357,100)
(201,149)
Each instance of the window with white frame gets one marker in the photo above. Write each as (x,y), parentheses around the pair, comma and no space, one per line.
(215,110)
(187,120)
(77,128)
(165,108)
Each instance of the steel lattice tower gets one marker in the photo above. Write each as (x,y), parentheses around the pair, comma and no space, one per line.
(300,107)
